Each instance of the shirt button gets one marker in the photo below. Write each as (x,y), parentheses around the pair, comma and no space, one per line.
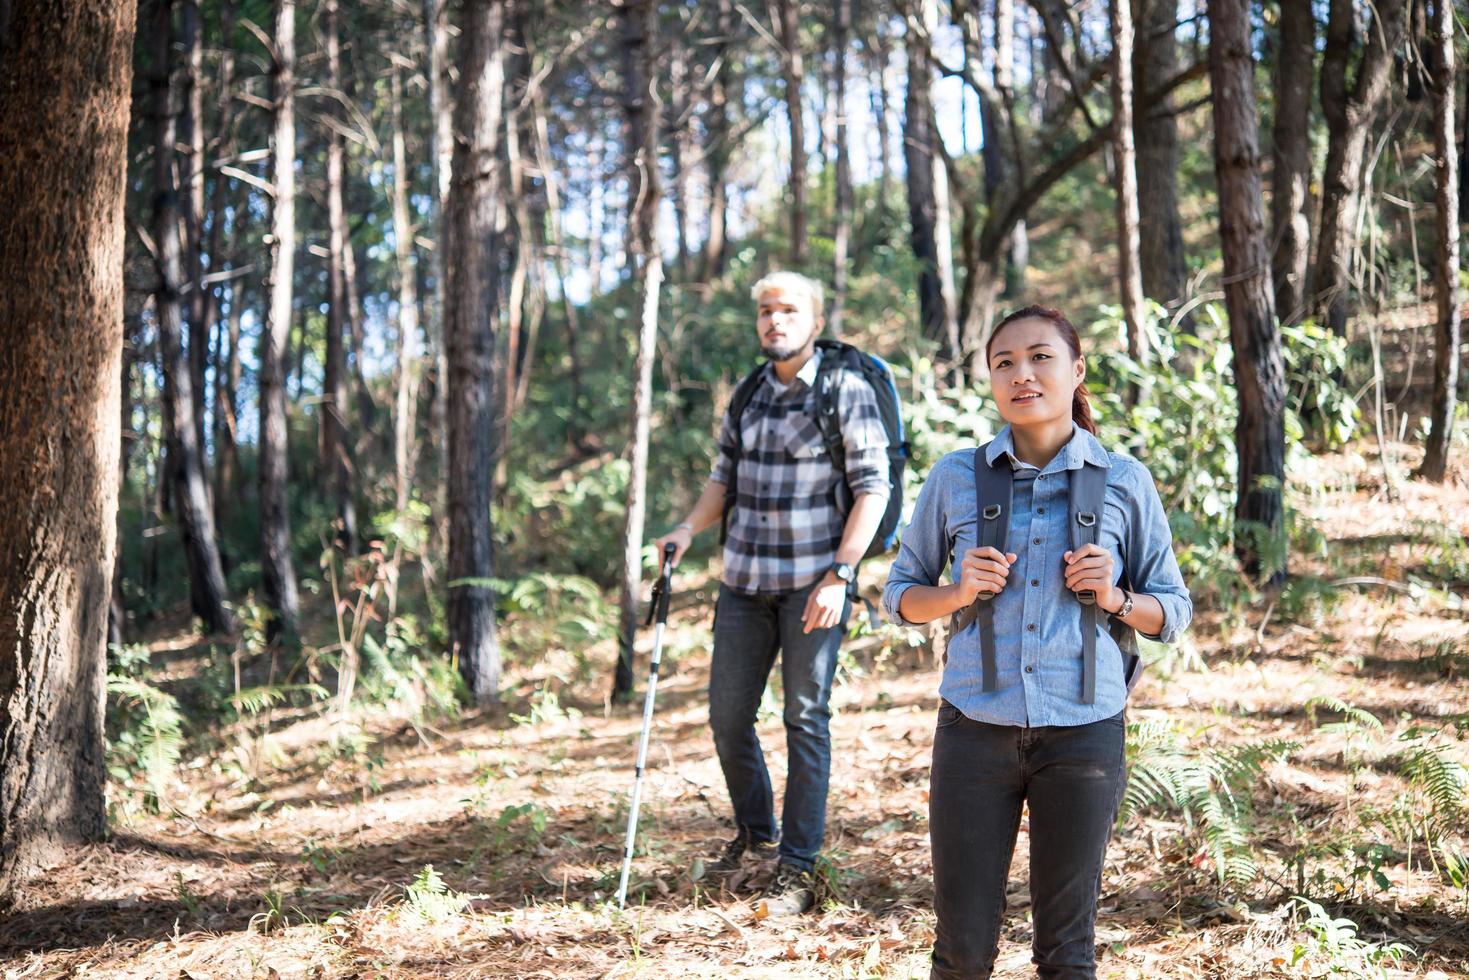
(1034,582)
(1029,669)
(1035,540)
(1031,627)
(1040,510)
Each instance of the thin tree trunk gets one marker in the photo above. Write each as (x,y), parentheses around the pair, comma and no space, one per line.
(472,305)
(1290,193)
(405,398)
(191,490)
(559,262)
(226,413)
(191,126)
(1349,115)
(1129,272)
(1259,368)
(841,236)
(336,465)
(223,419)
(880,111)
(1446,275)
(277,568)
(717,157)
(1160,231)
(441,150)
(927,234)
(678,112)
(641,105)
(596,169)
(66,80)
(793,66)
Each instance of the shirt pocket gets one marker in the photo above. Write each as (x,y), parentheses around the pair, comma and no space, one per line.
(803,440)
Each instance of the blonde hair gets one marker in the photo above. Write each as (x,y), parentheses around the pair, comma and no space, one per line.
(795,282)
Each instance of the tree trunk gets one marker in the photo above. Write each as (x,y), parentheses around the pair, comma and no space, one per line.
(1349,115)
(1446,275)
(191,124)
(405,398)
(642,173)
(1259,367)
(842,234)
(441,149)
(787,24)
(679,107)
(880,102)
(472,306)
(226,412)
(1129,274)
(191,490)
(336,465)
(222,427)
(64,125)
(717,156)
(1290,191)
(935,312)
(277,568)
(1160,232)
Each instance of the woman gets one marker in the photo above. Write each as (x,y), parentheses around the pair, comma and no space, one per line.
(1026,721)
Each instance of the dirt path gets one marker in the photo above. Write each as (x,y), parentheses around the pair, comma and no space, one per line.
(306,871)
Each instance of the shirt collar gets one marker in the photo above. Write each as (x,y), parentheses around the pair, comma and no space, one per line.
(807,374)
(1080,449)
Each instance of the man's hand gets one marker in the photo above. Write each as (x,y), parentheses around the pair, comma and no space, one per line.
(680,537)
(1091,567)
(983,570)
(825,604)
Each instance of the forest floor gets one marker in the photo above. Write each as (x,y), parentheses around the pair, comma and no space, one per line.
(299,858)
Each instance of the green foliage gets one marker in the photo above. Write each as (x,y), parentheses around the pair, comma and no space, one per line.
(1210,786)
(430,899)
(1334,946)
(145,729)
(1441,780)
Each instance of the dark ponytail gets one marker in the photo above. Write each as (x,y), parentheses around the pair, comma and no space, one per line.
(1081,406)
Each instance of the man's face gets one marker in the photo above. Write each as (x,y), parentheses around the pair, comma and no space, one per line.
(787,324)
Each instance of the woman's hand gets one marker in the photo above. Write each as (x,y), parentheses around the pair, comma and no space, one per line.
(1092,568)
(982,570)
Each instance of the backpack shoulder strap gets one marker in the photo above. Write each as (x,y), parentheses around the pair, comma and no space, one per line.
(836,356)
(1088,493)
(993,494)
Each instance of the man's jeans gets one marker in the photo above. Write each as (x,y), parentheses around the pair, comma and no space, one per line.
(748,632)
(1073,779)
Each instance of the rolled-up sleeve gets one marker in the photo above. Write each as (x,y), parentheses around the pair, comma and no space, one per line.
(864,438)
(924,552)
(724,460)
(1151,564)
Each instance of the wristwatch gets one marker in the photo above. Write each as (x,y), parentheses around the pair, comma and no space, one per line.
(1126,608)
(844,572)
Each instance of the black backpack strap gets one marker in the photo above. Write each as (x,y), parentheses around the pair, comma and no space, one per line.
(993,490)
(738,402)
(1088,492)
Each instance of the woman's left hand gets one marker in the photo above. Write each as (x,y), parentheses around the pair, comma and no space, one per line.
(1091,567)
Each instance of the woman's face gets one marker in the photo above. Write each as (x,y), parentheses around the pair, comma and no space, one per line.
(1033,373)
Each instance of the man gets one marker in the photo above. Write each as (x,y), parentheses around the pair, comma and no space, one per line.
(789,559)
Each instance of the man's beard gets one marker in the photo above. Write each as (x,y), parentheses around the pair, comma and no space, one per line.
(782,353)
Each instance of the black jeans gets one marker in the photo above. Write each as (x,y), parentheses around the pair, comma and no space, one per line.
(749,630)
(1073,779)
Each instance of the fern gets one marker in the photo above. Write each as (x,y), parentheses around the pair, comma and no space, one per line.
(1442,779)
(1353,717)
(151,736)
(253,700)
(430,898)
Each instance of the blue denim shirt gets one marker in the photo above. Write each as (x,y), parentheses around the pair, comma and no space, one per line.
(1038,619)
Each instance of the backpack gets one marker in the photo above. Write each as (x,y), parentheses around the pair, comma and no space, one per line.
(837,356)
(992,488)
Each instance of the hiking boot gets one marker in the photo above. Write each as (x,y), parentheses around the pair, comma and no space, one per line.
(737,853)
(792,892)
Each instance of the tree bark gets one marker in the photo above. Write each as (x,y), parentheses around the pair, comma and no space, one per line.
(405,398)
(642,109)
(1160,231)
(1349,113)
(277,568)
(1290,191)
(223,420)
(471,314)
(880,102)
(1446,275)
(1259,368)
(935,312)
(842,233)
(191,124)
(717,156)
(788,30)
(336,464)
(441,149)
(64,124)
(191,489)
(1129,272)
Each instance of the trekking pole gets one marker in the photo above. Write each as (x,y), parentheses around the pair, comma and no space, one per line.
(658,615)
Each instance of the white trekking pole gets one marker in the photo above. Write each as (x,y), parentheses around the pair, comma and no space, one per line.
(658,615)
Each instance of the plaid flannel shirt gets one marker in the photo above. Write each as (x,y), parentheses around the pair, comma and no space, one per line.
(785,527)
